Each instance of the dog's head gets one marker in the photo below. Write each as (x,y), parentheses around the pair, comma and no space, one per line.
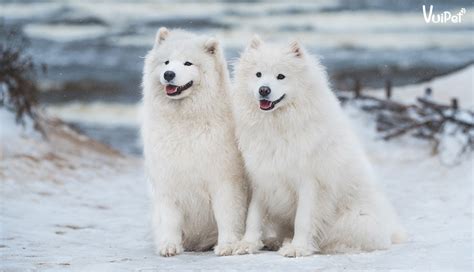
(271,74)
(179,60)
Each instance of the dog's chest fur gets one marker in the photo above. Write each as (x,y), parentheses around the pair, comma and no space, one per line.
(273,157)
(194,146)
(281,153)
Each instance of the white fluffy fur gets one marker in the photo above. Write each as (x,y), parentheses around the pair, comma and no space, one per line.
(312,184)
(191,156)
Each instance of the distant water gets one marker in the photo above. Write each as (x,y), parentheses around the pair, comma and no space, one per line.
(94,49)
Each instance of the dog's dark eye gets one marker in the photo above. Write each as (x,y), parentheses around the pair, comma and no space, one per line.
(187,63)
(280,76)
(167,62)
(258,74)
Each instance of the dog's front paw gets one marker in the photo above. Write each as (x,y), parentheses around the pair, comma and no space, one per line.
(224,249)
(245,247)
(170,249)
(291,251)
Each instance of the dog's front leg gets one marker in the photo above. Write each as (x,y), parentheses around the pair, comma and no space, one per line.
(303,243)
(252,241)
(228,203)
(169,234)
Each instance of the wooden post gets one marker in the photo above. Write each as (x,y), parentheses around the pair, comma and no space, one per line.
(357,88)
(454,103)
(388,89)
(428,91)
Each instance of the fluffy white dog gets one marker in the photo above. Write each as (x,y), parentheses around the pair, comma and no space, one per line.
(191,155)
(312,184)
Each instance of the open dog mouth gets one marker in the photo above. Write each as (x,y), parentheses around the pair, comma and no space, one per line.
(268,105)
(172,90)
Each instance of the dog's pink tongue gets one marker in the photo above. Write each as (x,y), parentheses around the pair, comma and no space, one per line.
(171,89)
(265,104)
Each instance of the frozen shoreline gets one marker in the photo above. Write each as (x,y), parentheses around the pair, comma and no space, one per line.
(72,205)
(102,43)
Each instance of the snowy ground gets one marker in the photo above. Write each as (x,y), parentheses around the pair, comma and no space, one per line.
(77,206)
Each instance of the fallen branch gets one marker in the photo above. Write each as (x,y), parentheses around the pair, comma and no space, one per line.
(425,119)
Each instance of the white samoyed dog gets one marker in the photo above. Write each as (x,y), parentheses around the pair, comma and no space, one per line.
(312,186)
(190,150)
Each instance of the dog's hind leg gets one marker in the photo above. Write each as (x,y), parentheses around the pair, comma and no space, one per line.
(274,235)
(358,230)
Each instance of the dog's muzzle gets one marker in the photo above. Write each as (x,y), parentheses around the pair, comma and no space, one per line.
(173,90)
(267,105)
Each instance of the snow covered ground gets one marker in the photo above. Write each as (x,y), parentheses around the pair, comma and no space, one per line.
(72,204)
(458,85)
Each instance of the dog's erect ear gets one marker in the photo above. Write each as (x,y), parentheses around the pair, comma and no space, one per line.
(161,35)
(295,49)
(255,42)
(211,45)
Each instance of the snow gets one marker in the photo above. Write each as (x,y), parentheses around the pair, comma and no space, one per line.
(71,204)
(97,113)
(64,33)
(458,85)
(9,129)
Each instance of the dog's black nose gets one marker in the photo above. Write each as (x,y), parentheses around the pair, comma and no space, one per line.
(264,91)
(169,75)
